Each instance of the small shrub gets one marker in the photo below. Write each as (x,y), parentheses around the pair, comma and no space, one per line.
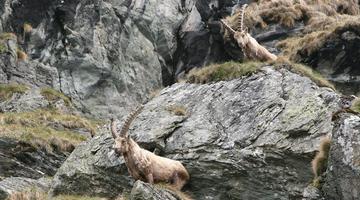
(177,110)
(3,48)
(356,105)
(7,90)
(28,195)
(27,28)
(220,72)
(22,56)
(8,36)
(53,95)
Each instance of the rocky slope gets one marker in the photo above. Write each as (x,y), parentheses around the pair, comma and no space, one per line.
(260,148)
(252,137)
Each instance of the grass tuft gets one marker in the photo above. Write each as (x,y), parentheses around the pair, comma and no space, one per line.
(7,90)
(177,110)
(221,72)
(27,28)
(76,197)
(304,71)
(46,129)
(22,56)
(32,194)
(3,48)
(356,105)
(8,36)
(53,95)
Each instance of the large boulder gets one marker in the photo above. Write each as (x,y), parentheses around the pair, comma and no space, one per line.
(249,138)
(146,191)
(343,172)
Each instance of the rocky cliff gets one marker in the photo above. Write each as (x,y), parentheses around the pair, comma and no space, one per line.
(244,131)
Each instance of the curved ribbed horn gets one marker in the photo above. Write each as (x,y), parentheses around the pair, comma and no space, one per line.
(242,13)
(129,119)
(232,31)
(113,128)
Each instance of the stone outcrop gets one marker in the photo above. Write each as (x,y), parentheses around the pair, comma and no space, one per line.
(343,172)
(255,135)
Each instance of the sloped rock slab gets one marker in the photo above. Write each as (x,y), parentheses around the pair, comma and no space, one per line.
(249,138)
(145,191)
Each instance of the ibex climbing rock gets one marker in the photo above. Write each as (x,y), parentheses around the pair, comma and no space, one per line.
(251,48)
(144,165)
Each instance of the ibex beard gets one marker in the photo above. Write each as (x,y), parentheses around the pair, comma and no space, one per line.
(144,165)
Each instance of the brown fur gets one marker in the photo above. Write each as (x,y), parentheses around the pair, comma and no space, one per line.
(144,165)
(251,48)
(319,163)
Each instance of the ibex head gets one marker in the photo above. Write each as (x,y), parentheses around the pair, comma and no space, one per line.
(238,34)
(121,145)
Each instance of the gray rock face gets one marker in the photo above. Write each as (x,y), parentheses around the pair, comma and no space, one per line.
(250,138)
(145,191)
(22,160)
(343,173)
(106,55)
(337,59)
(17,184)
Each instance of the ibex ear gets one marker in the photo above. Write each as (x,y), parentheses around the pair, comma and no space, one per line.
(128,137)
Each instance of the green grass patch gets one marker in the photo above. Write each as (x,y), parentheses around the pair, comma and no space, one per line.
(223,72)
(53,95)
(7,90)
(356,105)
(303,70)
(47,129)
(3,48)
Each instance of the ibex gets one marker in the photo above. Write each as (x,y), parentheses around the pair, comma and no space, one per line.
(144,165)
(251,48)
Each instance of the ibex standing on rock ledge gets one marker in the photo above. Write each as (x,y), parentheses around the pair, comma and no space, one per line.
(144,165)
(251,48)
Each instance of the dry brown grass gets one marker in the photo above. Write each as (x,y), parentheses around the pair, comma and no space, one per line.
(28,195)
(303,70)
(21,55)
(27,28)
(288,12)
(40,195)
(46,129)
(356,105)
(177,110)
(7,90)
(53,95)
(8,36)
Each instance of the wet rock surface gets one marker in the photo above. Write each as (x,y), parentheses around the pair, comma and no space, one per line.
(260,148)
